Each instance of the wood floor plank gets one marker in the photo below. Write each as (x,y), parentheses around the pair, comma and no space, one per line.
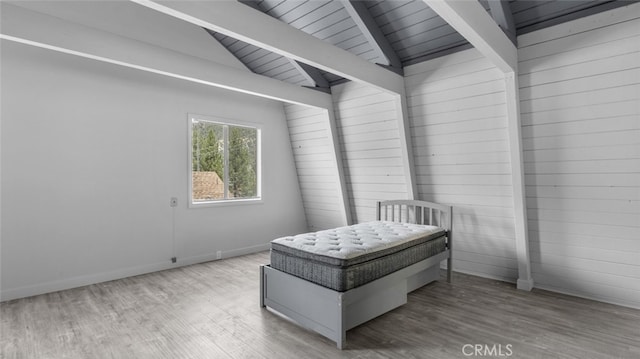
(211,310)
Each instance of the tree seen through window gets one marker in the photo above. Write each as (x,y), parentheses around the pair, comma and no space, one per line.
(224,161)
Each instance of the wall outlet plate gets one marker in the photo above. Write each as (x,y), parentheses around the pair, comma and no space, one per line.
(173,202)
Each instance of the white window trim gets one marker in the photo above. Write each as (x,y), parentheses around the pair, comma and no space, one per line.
(223,202)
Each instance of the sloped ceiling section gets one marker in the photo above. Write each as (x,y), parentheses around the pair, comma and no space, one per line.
(325,20)
(412,31)
(262,61)
(531,15)
(410,26)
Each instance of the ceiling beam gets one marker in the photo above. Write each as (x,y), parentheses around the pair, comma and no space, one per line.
(371,31)
(406,145)
(35,29)
(337,158)
(296,65)
(213,36)
(312,75)
(502,15)
(239,21)
(521,231)
(473,22)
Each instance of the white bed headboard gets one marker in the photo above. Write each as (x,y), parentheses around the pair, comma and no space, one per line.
(418,212)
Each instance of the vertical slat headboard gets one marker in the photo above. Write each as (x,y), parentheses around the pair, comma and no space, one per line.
(423,213)
(413,211)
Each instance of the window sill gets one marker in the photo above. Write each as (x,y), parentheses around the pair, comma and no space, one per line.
(228,202)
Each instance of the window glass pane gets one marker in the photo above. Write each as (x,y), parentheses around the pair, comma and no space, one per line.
(243,162)
(207,159)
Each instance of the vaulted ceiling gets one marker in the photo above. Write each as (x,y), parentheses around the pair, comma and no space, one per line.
(299,43)
(390,33)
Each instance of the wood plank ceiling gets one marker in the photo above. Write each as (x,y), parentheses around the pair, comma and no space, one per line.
(411,30)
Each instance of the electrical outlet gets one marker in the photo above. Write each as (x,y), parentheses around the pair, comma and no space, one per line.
(173,202)
(219,255)
(174,259)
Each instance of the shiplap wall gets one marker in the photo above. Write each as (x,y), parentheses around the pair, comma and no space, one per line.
(580,104)
(313,153)
(370,141)
(457,111)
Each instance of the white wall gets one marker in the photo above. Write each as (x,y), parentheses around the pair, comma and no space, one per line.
(580,104)
(370,142)
(92,153)
(458,120)
(313,151)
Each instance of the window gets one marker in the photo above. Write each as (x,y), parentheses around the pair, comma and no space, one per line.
(225,161)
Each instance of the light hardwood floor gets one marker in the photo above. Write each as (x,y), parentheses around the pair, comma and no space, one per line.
(211,310)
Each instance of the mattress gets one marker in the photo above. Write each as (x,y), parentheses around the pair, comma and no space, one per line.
(347,257)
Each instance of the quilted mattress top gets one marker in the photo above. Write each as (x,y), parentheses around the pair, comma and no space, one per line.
(363,239)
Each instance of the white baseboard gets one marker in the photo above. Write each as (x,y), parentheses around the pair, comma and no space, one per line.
(530,285)
(590,297)
(246,250)
(79,281)
(481,275)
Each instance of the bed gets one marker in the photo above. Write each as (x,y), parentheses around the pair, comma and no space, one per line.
(333,280)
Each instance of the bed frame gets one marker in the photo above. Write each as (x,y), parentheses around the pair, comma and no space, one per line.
(332,313)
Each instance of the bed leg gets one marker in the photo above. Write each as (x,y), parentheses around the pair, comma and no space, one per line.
(449,269)
(342,323)
(262,280)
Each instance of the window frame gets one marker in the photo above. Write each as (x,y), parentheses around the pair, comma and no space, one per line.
(227,123)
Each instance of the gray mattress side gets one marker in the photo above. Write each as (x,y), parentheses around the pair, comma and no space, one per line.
(342,278)
(294,252)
